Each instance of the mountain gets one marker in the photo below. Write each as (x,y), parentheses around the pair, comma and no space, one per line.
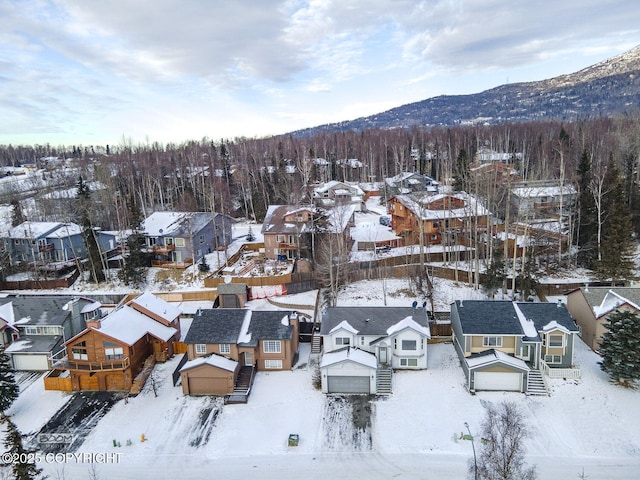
(606,88)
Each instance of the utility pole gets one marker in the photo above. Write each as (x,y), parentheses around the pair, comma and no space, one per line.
(473,446)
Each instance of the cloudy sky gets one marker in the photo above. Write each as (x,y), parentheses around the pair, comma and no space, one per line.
(98,72)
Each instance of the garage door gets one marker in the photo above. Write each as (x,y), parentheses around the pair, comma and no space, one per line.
(348,384)
(498,381)
(201,386)
(30,362)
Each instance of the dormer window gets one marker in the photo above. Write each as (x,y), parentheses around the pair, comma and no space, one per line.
(343,341)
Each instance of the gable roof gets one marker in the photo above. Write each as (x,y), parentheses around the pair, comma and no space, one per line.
(238,326)
(419,206)
(351,354)
(503,317)
(180,224)
(156,306)
(127,325)
(212,360)
(41,309)
(371,320)
(274,220)
(490,356)
(595,295)
(28,230)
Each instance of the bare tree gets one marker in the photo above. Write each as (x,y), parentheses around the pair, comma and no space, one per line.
(501,455)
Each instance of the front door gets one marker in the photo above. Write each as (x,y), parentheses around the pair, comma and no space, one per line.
(382,355)
(526,354)
(248,359)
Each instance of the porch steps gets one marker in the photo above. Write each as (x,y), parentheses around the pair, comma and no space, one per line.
(383,380)
(536,384)
(242,387)
(316,343)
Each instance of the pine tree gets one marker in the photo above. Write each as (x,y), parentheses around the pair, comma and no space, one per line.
(17,217)
(461,177)
(21,469)
(620,348)
(85,207)
(495,273)
(587,225)
(618,245)
(133,270)
(8,388)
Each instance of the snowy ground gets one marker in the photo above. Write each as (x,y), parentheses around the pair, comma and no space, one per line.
(415,433)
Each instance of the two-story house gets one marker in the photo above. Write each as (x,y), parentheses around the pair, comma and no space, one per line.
(442,219)
(177,239)
(504,345)
(225,346)
(35,327)
(592,306)
(334,193)
(383,338)
(410,182)
(286,230)
(112,350)
(542,198)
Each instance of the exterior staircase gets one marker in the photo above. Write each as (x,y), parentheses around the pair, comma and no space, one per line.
(316,343)
(242,386)
(536,384)
(383,380)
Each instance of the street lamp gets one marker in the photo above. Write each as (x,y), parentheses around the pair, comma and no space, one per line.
(475,461)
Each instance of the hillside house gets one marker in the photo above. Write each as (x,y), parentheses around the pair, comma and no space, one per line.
(112,350)
(286,230)
(591,308)
(334,193)
(34,327)
(226,346)
(505,345)
(178,239)
(543,198)
(409,182)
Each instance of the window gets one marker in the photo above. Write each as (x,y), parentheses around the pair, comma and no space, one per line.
(273,364)
(491,341)
(556,341)
(553,358)
(201,348)
(342,341)
(179,242)
(361,340)
(114,353)
(408,344)
(408,362)
(280,238)
(225,348)
(201,238)
(31,330)
(79,351)
(272,346)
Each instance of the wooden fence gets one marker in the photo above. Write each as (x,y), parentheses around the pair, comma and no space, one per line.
(179,348)
(48,284)
(52,381)
(191,296)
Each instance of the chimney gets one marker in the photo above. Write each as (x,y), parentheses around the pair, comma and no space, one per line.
(94,323)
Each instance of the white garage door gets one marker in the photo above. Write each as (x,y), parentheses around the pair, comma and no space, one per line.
(498,381)
(30,362)
(337,384)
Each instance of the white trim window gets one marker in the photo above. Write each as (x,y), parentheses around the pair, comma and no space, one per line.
(408,362)
(225,348)
(343,341)
(114,353)
(551,359)
(272,346)
(201,348)
(273,364)
(491,341)
(180,242)
(555,340)
(409,345)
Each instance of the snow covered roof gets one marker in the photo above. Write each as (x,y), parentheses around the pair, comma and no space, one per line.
(611,301)
(492,356)
(349,354)
(90,307)
(554,326)
(338,218)
(213,360)
(420,206)
(160,224)
(156,305)
(29,230)
(408,322)
(344,325)
(528,327)
(372,232)
(544,191)
(6,313)
(128,325)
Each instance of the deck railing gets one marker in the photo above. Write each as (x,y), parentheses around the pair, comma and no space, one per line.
(573,372)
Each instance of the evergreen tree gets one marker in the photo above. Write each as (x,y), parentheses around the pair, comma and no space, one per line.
(586,236)
(495,273)
(620,348)
(203,266)
(21,468)
(85,208)
(133,270)
(461,177)
(17,217)
(8,388)
(618,245)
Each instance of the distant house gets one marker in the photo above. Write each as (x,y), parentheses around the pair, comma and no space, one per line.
(35,327)
(286,230)
(111,351)
(591,308)
(334,193)
(362,344)
(486,155)
(440,219)
(535,199)
(505,345)
(409,182)
(178,239)
(226,345)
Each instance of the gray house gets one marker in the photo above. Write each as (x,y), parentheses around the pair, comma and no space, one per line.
(39,325)
(177,239)
(51,245)
(504,345)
